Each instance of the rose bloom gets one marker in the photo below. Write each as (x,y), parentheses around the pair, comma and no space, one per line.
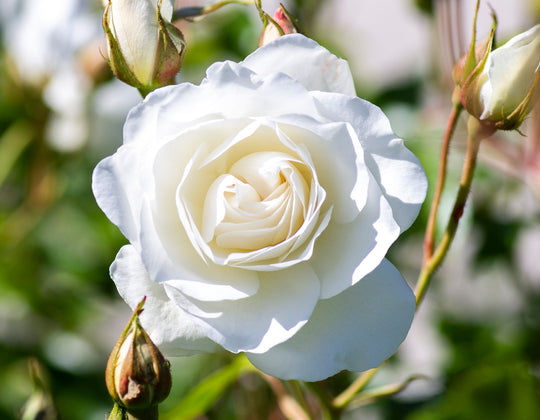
(259,207)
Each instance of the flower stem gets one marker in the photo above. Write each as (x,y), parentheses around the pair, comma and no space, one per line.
(194,12)
(476,134)
(145,414)
(330,412)
(121,413)
(298,394)
(289,406)
(343,399)
(429,239)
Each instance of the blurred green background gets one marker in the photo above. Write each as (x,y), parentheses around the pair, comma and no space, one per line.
(477,335)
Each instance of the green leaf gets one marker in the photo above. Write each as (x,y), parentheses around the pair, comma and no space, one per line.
(205,394)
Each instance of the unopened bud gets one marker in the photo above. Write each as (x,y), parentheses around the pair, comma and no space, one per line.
(138,376)
(145,48)
(500,87)
(282,24)
(40,405)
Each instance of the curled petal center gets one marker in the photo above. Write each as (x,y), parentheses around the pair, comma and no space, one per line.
(260,202)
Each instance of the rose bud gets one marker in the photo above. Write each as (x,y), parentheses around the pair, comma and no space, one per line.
(281,24)
(145,48)
(40,405)
(137,376)
(502,88)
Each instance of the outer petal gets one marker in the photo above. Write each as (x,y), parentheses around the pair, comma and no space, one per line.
(363,244)
(339,161)
(356,330)
(175,331)
(116,191)
(284,302)
(230,90)
(304,60)
(395,168)
(167,255)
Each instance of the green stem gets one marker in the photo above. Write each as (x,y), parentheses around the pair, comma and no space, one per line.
(330,412)
(117,413)
(476,133)
(12,144)
(289,406)
(431,265)
(145,414)
(121,413)
(299,396)
(194,12)
(343,399)
(429,239)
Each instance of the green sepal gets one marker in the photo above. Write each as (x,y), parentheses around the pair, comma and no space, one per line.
(470,88)
(109,371)
(470,61)
(514,120)
(169,51)
(475,54)
(293,20)
(118,413)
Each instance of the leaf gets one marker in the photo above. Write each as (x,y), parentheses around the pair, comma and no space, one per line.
(206,393)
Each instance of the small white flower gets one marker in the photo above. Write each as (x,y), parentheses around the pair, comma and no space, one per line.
(259,207)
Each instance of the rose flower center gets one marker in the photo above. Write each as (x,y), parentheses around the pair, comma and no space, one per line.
(260,202)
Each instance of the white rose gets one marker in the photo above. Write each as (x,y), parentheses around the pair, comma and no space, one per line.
(259,207)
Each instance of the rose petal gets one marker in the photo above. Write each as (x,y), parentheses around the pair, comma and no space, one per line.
(402,179)
(256,202)
(363,243)
(198,185)
(338,159)
(355,330)
(283,303)
(235,91)
(167,254)
(174,330)
(119,200)
(395,168)
(304,60)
